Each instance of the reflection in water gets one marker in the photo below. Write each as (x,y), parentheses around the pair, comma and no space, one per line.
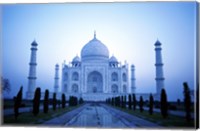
(95,115)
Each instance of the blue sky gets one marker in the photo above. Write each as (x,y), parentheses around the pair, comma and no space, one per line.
(129,30)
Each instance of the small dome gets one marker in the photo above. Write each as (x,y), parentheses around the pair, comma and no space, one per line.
(34,43)
(76,59)
(113,59)
(94,49)
(157,43)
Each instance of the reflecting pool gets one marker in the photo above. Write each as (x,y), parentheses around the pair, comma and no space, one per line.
(95,115)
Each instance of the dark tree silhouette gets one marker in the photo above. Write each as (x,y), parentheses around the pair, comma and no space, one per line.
(164,103)
(121,101)
(197,107)
(73,101)
(178,102)
(151,102)
(5,84)
(187,101)
(36,101)
(134,102)
(125,101)
(115,101)
(59,103)
(54,101)
(17,102)
(109,101)
(81,100)
(63,100)
(46,101)
(141,104)
(112,101)
(129,102)
(118,101)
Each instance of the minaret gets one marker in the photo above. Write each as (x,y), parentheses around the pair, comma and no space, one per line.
(133,79)
(32,71)
(56,85)
(159,69)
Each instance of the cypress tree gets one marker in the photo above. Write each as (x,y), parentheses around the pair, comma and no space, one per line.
(81,100)
(54,101)
(115,101)
(141,104)
(163,103)
(197,107)
(118,101)
(125,101)
(76,101)
(112,101)
(63,100)
(129,101)
(17,102)
(109,101)
(59,103)
(70,101)
(36,101)
(151,102)
(46,101)
(187,101)
(121,101)
(73,101)
(134,102)
(178,102)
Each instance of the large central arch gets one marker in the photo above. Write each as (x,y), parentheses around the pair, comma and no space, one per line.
(95,82)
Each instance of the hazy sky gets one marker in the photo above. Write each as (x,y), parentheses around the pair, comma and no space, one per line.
(129,30)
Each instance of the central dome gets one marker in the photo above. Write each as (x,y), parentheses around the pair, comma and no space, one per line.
(94,50)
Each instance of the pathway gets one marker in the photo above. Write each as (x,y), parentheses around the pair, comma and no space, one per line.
(101,116)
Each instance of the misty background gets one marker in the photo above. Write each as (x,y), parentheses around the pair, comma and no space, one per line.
(129,30)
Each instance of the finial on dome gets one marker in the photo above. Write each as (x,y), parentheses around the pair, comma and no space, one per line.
(95,34)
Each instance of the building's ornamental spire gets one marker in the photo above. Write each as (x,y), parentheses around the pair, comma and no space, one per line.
(94,34)
(157,43)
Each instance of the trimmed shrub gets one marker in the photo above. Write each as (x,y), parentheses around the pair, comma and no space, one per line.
(46,101)
(17,102)
(134,102)
(73,101)
(187,101)
(63,100)
(164,103)
(54,101)
(129,102)
(178,102)
(81,100)
(151,101)
(141,104)
(36,101)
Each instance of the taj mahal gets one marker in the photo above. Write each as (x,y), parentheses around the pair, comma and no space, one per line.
(95,75)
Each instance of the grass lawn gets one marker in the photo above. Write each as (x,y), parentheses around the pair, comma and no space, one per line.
(9,103)
(170,121)
(27,118)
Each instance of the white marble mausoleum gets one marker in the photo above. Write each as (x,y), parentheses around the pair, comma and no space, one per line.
(95,75)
